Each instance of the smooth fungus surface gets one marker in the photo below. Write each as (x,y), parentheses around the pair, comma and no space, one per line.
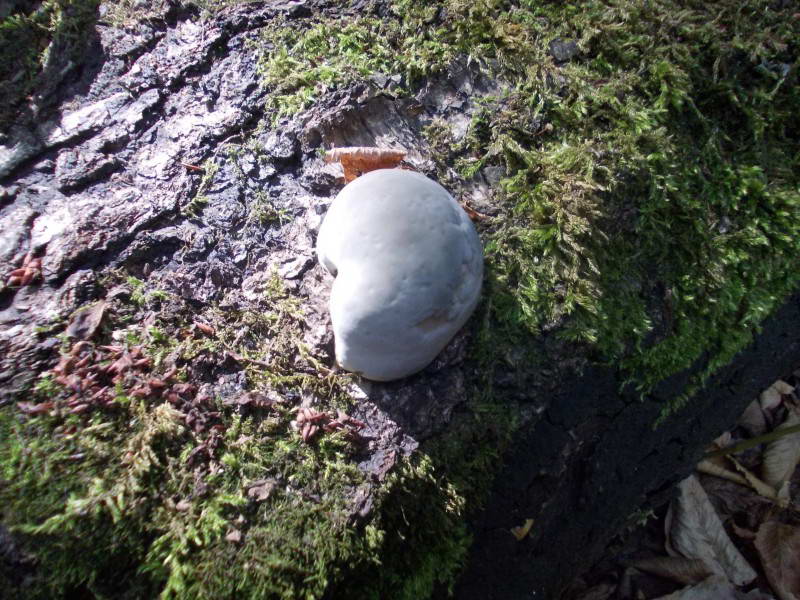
(408,266)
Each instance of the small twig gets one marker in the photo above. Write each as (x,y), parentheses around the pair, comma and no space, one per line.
(752,442)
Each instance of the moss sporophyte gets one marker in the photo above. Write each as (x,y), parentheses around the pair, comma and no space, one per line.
(647,210)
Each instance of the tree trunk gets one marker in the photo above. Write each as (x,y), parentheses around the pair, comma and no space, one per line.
(152,180)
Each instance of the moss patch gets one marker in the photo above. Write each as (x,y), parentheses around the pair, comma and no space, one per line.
(650,204)
(144,495)
(648,212)
(35,45)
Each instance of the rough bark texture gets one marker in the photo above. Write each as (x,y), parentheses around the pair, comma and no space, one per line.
(106,173)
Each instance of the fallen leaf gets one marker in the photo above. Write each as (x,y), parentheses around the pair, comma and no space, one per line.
(32,408)
(782,455)
(760,486)
(715,587)
(785,493)
(783,387)
(680,569)
(778,547)
(710,468)
(696,532)
(743,532)
(522,531)
(753,420)
(85,321)
(254,399)
(724,440)
(772,396)
(260,490)
(207,329)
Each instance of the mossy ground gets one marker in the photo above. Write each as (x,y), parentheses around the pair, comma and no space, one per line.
(649,211)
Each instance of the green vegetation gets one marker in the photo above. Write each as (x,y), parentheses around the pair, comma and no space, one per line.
(195,206)
(145,503)
(135,500)
(127,473)
(35,46)
(649,211)
(650,202)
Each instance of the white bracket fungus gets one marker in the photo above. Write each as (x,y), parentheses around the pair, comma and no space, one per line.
(408,266)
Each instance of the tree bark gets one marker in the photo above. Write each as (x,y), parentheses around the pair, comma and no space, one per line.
(148,159)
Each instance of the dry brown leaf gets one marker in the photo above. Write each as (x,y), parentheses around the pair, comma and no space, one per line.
(778,547)
(783,387)
(753,420)
(523,530)
(260,490)
(714,588)
(357,160)
(785,493)
(723,440)
(743,532)
(32,408)
(782,455)
(712,468)
(761,487)
(677,568)
(771,397)
(696,531)
(85,321)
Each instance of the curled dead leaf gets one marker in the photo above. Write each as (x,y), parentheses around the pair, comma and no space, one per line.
(782,455)
(715,587)
(696,532)
(773,395)
(759,486)
(711,468)
(523,530)
(677,568)
(778,547)
(753,419)
(84,322)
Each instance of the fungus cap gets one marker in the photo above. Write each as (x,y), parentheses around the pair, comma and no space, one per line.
(408,266)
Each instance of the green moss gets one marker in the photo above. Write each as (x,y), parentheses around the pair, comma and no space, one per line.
(650,202)
(649,208)
(131,501)
(648,213)
(195,206)
(119,503)
(33,44)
